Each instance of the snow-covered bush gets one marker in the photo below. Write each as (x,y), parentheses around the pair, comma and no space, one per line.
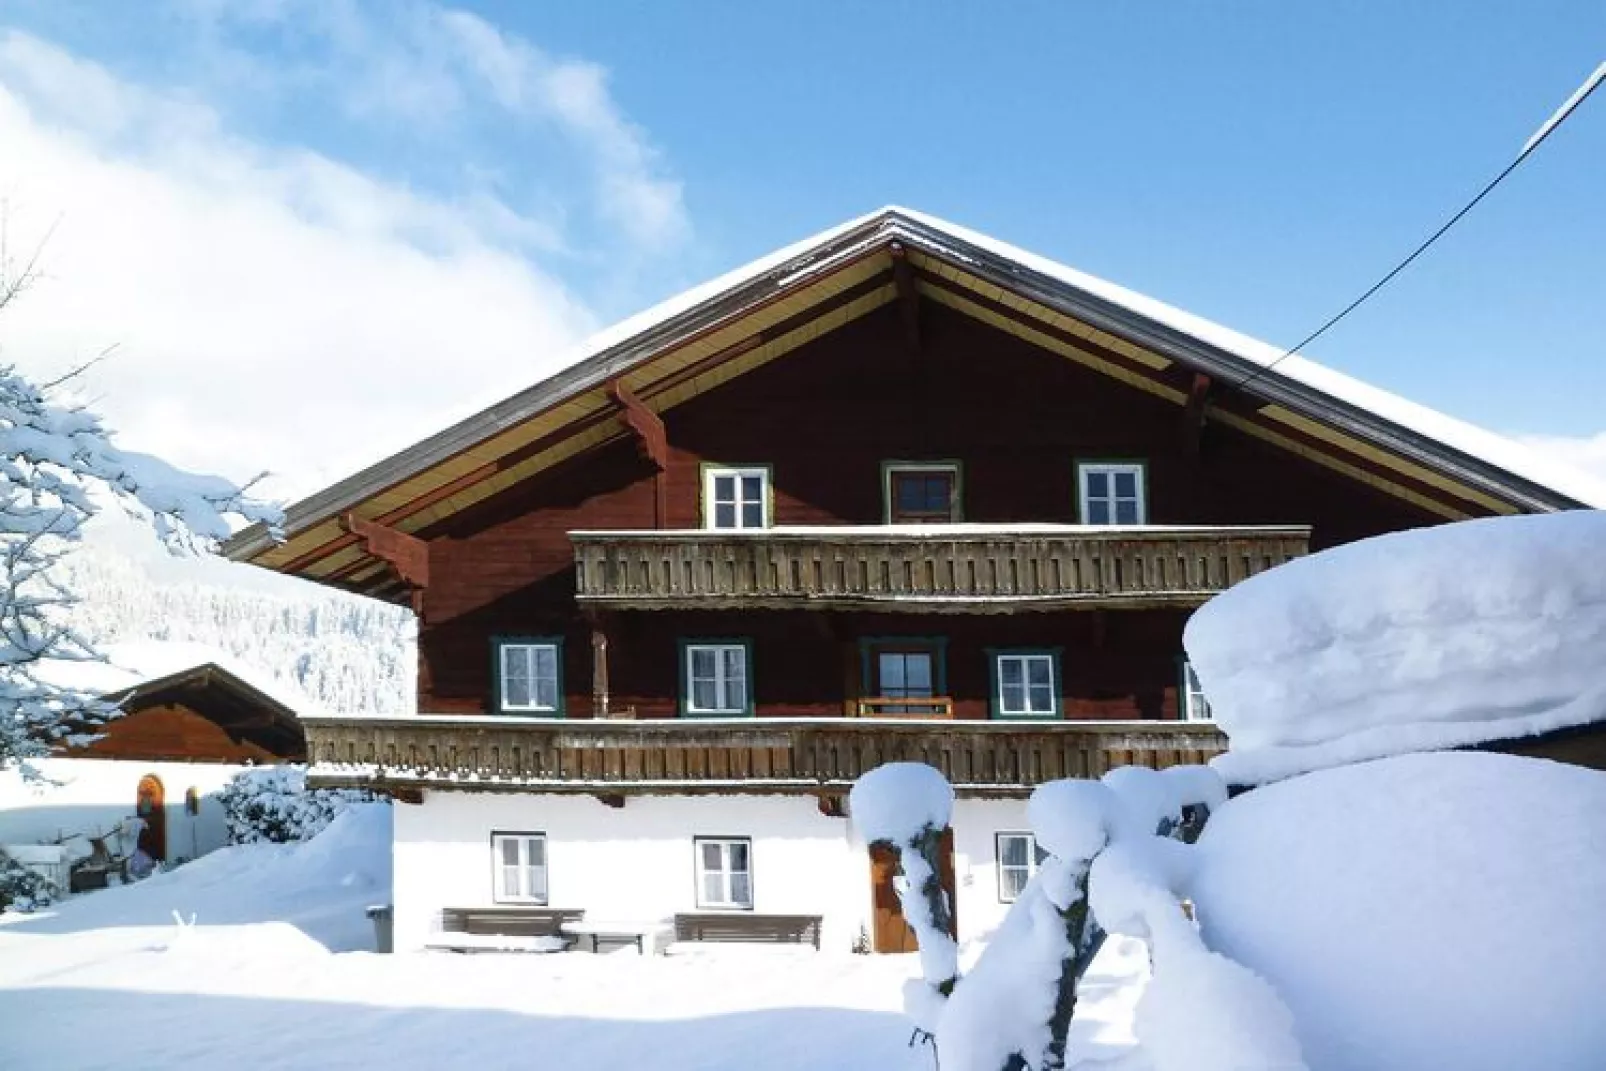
(1114,847)
(22,888)
(273,803)
(905,806)
(1427,639)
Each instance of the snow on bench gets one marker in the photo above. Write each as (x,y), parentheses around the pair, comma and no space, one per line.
(503,929)
(646,936)
(771,929)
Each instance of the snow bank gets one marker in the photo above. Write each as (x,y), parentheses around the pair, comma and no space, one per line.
(1421,911)
(1433,638)
(320,887)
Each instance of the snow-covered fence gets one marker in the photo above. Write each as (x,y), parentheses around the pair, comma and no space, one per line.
(26,877)
(1118,860)
(273,803)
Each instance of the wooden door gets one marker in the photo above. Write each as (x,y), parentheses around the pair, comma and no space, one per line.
(150,805)
(892,932)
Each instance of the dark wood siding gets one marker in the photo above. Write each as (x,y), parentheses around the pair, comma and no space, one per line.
(824,418)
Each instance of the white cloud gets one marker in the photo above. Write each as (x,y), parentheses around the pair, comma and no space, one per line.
(427,64)
(273,307)
(1585,453)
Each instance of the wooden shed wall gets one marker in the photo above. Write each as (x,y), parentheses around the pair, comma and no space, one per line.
(171,731)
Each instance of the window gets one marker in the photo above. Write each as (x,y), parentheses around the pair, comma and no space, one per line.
(1018,859)
(1025,684)
(715,677)
(917,493)
(897,668)
(1195,707)
(736,497)
(530,675)
(1111,493)
(724,872)
(519,862)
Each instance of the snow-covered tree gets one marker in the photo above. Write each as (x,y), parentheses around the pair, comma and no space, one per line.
(1111,840)
(53,457)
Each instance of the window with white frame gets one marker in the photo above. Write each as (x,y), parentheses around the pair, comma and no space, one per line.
(520,867)
(1111,493)
(725,872)
(736,497)
(529,676)
(1195,707)
(1026,684)
(1018,859)
(716,678)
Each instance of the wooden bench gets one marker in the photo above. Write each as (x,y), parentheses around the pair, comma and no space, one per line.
(772,929)
(473,929)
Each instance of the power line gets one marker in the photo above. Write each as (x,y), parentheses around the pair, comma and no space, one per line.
(1581,94)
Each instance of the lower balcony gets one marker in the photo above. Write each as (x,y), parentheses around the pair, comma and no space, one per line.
(480,753)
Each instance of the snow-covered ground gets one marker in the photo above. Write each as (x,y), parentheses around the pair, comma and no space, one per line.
(269,976)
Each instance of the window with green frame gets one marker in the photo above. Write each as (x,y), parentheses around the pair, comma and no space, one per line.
(528,674)
(1024,683)
(716,678)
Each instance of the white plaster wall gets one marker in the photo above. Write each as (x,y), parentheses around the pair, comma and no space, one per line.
(976,823)
(629,863)
(91,796)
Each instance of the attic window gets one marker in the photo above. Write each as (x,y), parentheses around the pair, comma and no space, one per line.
(921,493)
(736,497)
(1111,493)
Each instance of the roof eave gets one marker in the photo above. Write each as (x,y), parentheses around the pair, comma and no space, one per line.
(589,372)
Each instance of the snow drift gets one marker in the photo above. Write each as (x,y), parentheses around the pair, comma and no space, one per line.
(1420,911)
(319,887)
(1433,638)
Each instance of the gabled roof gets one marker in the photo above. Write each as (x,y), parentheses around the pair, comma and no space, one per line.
(706,336)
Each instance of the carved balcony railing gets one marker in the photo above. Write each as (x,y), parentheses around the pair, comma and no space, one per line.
(490,753)
(957,568)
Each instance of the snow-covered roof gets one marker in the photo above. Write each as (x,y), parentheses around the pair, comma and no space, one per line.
(132,665)
(1489,465)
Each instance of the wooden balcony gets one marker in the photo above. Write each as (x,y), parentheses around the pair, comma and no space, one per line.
(952,568)
(938,706)
(489,753)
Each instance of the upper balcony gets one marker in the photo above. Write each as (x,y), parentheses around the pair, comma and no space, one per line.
(960,568)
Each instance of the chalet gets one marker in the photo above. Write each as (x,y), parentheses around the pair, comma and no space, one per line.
(186,725)
(899,491)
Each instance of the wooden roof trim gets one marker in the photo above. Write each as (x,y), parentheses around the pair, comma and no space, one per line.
(1230,368)
(779,282)
(1412,483)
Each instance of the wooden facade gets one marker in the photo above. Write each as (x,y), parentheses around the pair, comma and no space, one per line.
(577,515)
(516,565)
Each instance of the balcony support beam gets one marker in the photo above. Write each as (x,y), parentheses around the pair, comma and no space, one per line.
(653,441)
(407,555)
(1193,414)
(903,279)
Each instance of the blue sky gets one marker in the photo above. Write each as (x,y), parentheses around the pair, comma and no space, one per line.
(1256,163)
